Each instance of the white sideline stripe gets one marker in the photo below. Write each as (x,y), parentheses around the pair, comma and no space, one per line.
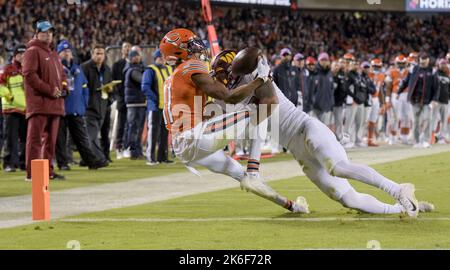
(16,211)
(245,219)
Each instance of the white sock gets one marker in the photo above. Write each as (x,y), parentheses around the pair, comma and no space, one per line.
(369,204)
(366,175)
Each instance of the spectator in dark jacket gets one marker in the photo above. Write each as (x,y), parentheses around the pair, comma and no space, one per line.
(354,109)
(423,94)
(286,76)
(440,113)
(309,74)
(117,74)
(153,88)
(135,102)
(45,86)
(340,96)
(75,109)
(299,63)
(322,91)
(98,75)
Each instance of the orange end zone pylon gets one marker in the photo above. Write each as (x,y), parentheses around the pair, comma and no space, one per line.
(212,36)
(40,191)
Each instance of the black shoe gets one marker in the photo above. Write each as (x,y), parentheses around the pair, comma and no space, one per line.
(167,161)
(82,163)
(98,165)
(64,168)
(57,177)
(10,169)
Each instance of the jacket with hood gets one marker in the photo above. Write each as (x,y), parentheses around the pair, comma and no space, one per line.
(78,98)
(340,93)
(423,86)
(444,86)
(43,73)
(134,97)
(287,79)
(323,90)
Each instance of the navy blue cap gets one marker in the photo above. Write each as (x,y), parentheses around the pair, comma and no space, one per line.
(157,54)
(44,26)
(63,45)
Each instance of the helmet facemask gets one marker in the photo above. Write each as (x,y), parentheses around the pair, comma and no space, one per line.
(196,47)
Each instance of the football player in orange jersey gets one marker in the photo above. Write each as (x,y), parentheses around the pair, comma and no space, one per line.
(397,107)
(200,141)
(377,77)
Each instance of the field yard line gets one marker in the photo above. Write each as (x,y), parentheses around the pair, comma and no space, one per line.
(16,211)
(88,220)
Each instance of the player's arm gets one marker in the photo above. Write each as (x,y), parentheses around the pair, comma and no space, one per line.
(217,90)
(388,82)
(404,83)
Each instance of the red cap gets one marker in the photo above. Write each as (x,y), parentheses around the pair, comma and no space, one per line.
(310,60)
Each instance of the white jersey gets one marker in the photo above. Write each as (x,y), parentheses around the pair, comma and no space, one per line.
(290,119)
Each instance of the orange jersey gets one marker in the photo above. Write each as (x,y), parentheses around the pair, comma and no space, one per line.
(396,76)
(378,80)
(183,100)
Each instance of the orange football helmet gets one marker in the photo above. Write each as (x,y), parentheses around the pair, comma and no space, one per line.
(349,57)
(376,62)
(181,43)
(400,59)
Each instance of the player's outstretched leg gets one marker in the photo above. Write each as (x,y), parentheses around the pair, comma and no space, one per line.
(340,190)
(219,162)
(404,193)
(322,144)
(369,204)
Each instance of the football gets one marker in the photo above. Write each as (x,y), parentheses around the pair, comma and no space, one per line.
(245,61)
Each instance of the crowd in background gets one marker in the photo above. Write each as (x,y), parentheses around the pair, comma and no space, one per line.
(365,34)
(346,73)
(367,101)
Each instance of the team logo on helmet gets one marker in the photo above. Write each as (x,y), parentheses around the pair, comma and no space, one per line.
(221,67)
(173,37)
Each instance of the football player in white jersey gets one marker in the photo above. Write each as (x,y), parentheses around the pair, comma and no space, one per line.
(325,162)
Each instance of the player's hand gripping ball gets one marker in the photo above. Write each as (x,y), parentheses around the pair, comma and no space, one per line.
(245,61)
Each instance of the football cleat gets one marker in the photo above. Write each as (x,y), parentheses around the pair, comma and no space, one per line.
(426,206)
(408,200)
(300,206)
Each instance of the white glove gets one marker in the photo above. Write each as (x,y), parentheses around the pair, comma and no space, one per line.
(433,104)
(263,68)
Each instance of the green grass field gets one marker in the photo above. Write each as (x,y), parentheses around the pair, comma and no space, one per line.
(233,219)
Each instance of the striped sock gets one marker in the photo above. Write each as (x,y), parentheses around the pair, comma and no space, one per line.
(252,165)
(288,205)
